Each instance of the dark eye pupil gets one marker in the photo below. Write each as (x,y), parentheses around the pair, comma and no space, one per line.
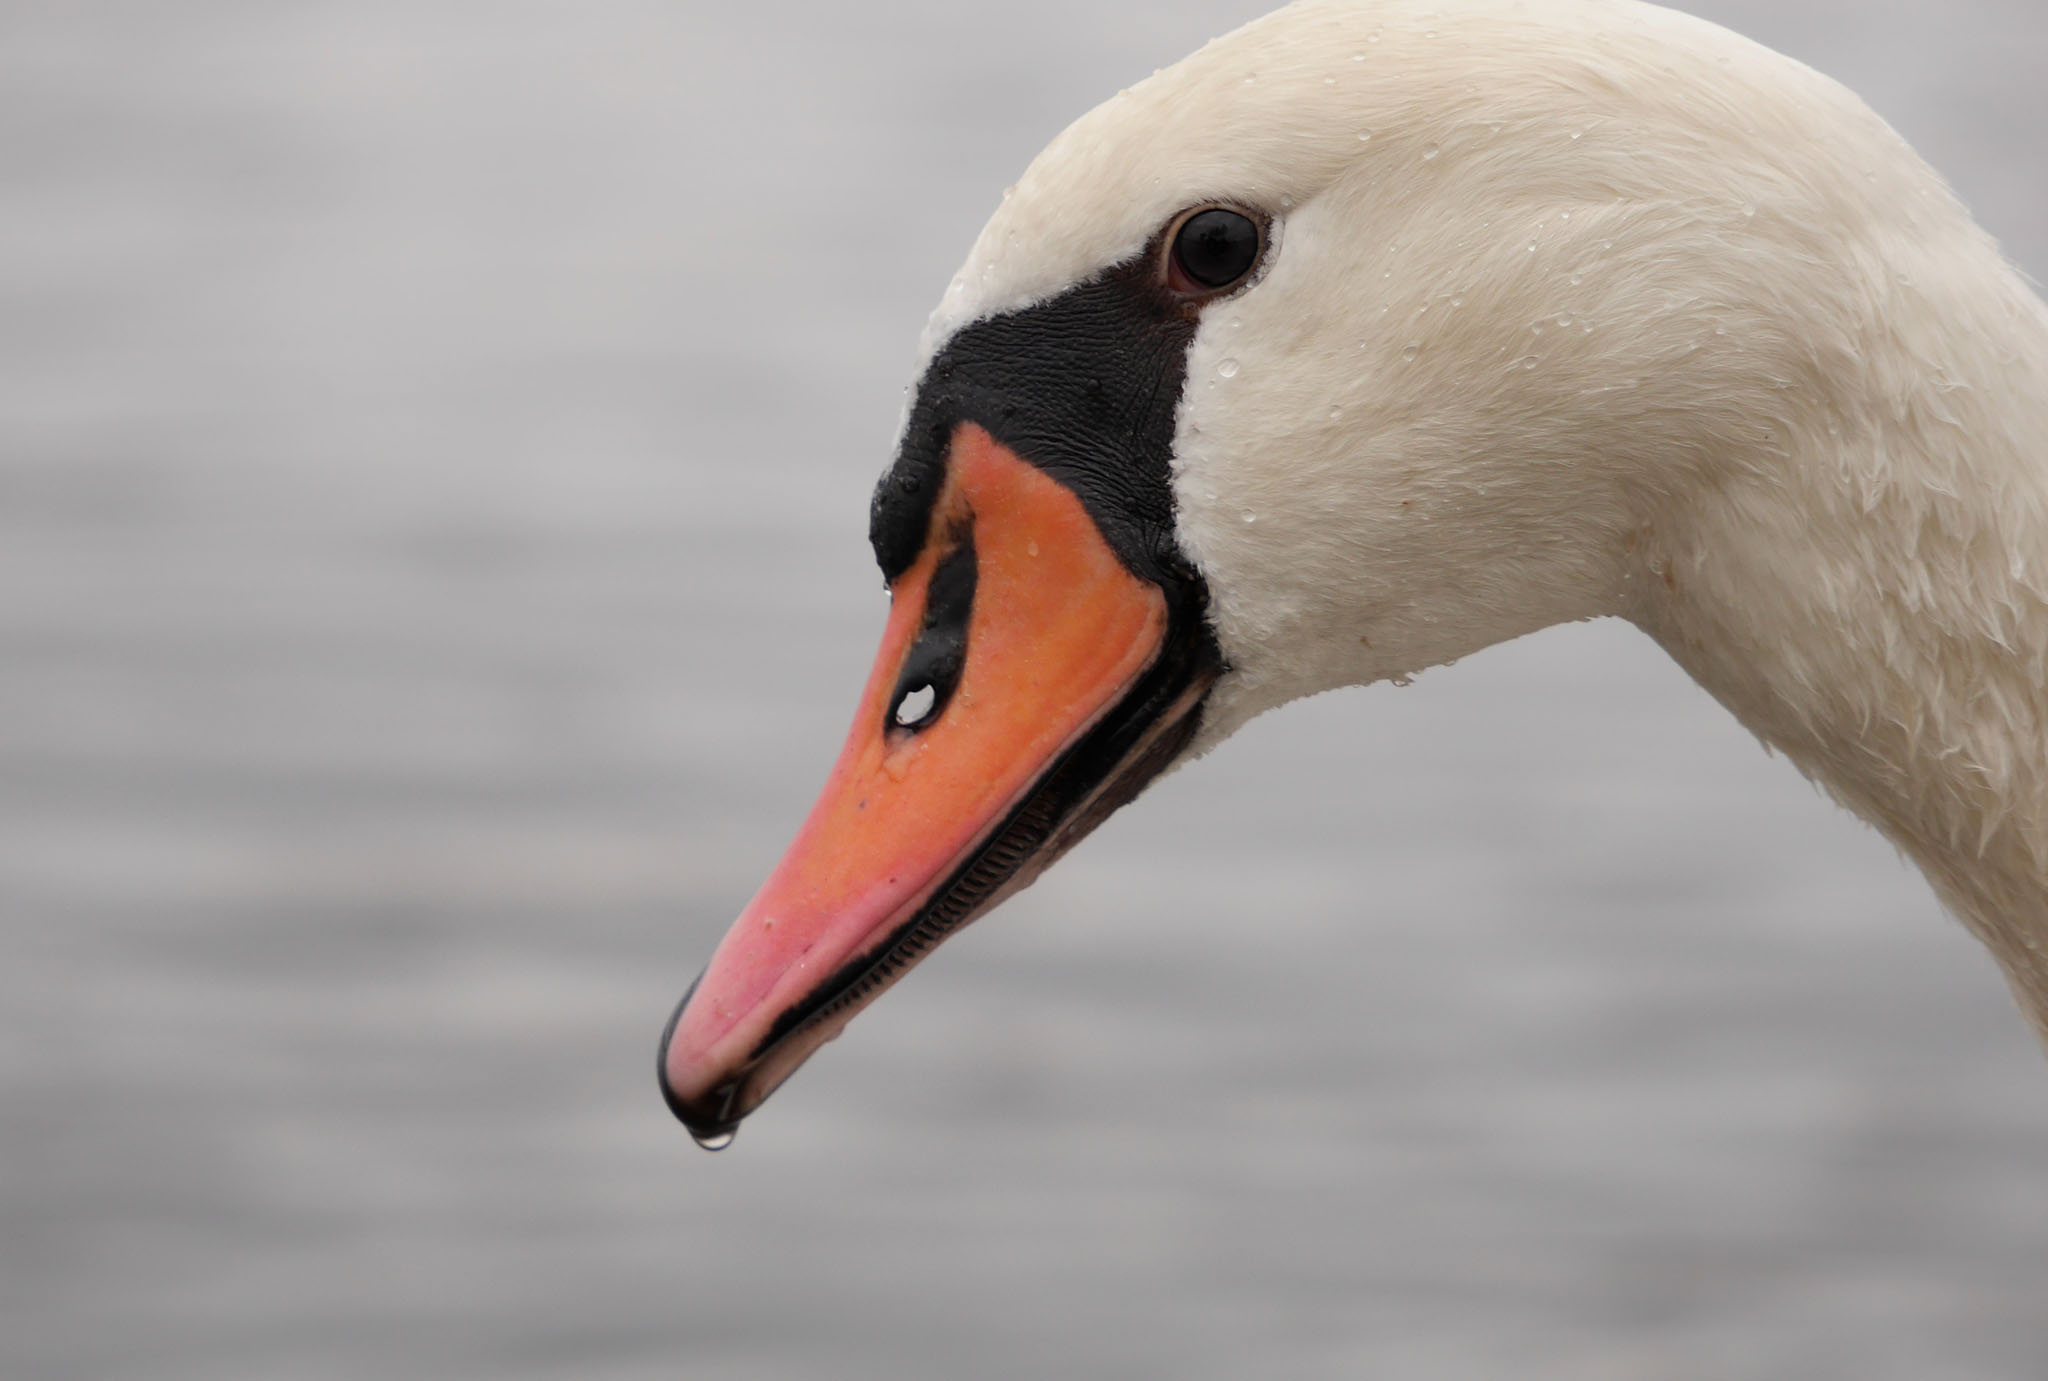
(1216,247)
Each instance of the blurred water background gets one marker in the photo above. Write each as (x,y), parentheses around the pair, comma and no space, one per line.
(434,447)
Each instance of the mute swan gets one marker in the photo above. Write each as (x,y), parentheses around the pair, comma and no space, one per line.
(1380,331)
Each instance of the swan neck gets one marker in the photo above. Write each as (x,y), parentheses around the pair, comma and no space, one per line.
(1871,599)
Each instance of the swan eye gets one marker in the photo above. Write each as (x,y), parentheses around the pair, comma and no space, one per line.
(1213,249)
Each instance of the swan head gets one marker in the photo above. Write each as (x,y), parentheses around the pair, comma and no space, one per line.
(1484,285)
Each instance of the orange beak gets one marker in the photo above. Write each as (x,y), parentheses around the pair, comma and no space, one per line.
(1027,685)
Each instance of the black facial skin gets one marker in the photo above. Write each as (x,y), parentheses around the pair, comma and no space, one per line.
(1085,387)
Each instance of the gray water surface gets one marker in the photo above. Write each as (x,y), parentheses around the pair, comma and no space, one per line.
(434,447)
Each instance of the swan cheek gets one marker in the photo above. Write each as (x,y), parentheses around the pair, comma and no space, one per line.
(1015,640)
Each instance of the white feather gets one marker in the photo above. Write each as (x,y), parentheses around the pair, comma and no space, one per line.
(1583,308)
